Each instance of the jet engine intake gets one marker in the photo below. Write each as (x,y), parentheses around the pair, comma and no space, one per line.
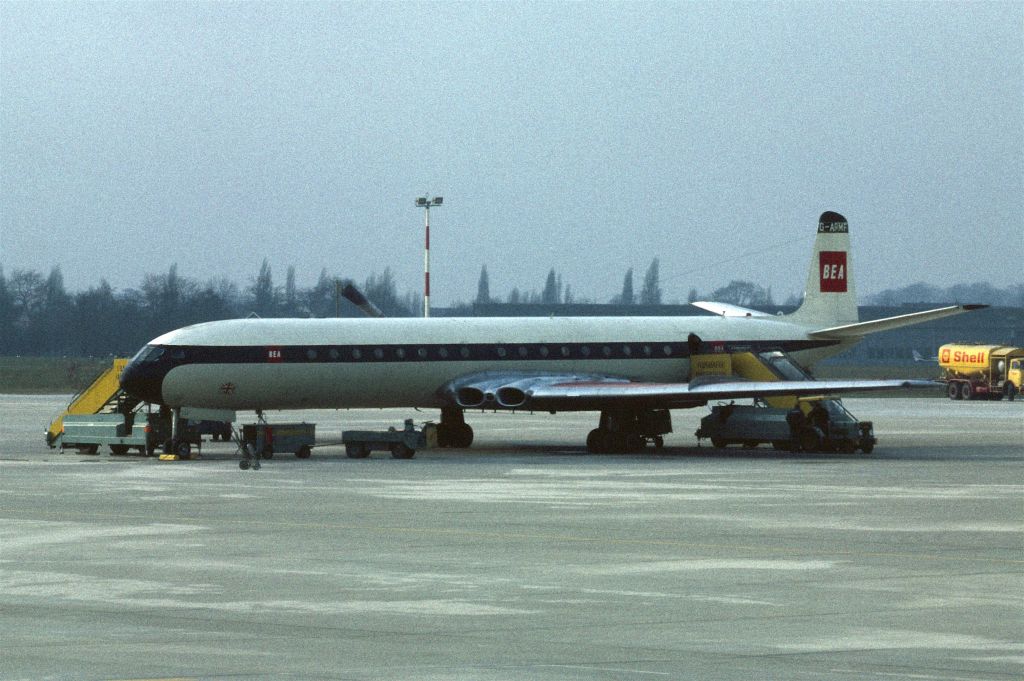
(511,397)
(470,397)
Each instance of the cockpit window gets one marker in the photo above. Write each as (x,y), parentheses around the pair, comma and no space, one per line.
(149,353)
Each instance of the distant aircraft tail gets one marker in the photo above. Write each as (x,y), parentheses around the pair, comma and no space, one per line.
(830,298)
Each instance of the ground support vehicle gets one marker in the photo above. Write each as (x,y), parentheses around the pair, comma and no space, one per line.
(262,440)
(141,430)
(981,372)
(401,443)
(823,425)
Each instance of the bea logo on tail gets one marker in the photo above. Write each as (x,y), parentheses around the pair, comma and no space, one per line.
(832,267)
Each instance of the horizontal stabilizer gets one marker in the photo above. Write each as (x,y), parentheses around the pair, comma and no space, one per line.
(728,310)
(875,325)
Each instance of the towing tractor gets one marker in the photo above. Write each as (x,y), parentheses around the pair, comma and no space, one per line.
(813,425)
(981,372)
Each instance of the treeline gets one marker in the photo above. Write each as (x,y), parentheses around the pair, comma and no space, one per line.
(980,292)
(555,291)
(649,292)
(38,316)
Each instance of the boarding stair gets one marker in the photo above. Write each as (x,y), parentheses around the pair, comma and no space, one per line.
(771,365)
(103,396)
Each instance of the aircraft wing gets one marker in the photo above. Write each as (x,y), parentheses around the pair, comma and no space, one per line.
(594,393)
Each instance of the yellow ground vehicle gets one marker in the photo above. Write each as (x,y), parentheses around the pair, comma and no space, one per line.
(981,372)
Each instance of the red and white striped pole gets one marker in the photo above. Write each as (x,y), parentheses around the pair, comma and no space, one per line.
(426,264)
(425,202)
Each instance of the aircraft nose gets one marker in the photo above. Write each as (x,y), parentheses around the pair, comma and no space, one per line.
(144,381)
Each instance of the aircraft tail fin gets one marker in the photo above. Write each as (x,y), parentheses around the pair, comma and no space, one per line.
(830,298)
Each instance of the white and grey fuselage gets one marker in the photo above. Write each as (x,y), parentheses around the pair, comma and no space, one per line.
(340,363)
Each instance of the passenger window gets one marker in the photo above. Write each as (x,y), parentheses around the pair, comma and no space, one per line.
(443,353)
(400,353)
(502,352)
(667,350)
(522,351)
(311,354)
(606,351)
(464,352)
(334,353)
(378,353)
(585,351)
(626,350)
(565,351)
(357,353)
(422,353)
(543,351)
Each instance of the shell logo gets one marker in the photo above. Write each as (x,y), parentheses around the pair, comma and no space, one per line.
(964,356)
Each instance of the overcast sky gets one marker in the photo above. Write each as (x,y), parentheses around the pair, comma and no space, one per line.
(588,137)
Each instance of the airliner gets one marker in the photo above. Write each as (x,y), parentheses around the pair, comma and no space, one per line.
(632,370)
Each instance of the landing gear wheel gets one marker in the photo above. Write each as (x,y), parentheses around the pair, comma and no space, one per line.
(304,452)
(453,431)
(461,436)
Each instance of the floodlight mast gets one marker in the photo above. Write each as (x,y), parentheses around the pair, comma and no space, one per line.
(425,202)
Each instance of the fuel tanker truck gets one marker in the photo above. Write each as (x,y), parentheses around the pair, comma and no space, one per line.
(981,372)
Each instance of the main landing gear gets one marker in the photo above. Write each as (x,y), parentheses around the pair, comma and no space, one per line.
(453,431)
(629,431)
